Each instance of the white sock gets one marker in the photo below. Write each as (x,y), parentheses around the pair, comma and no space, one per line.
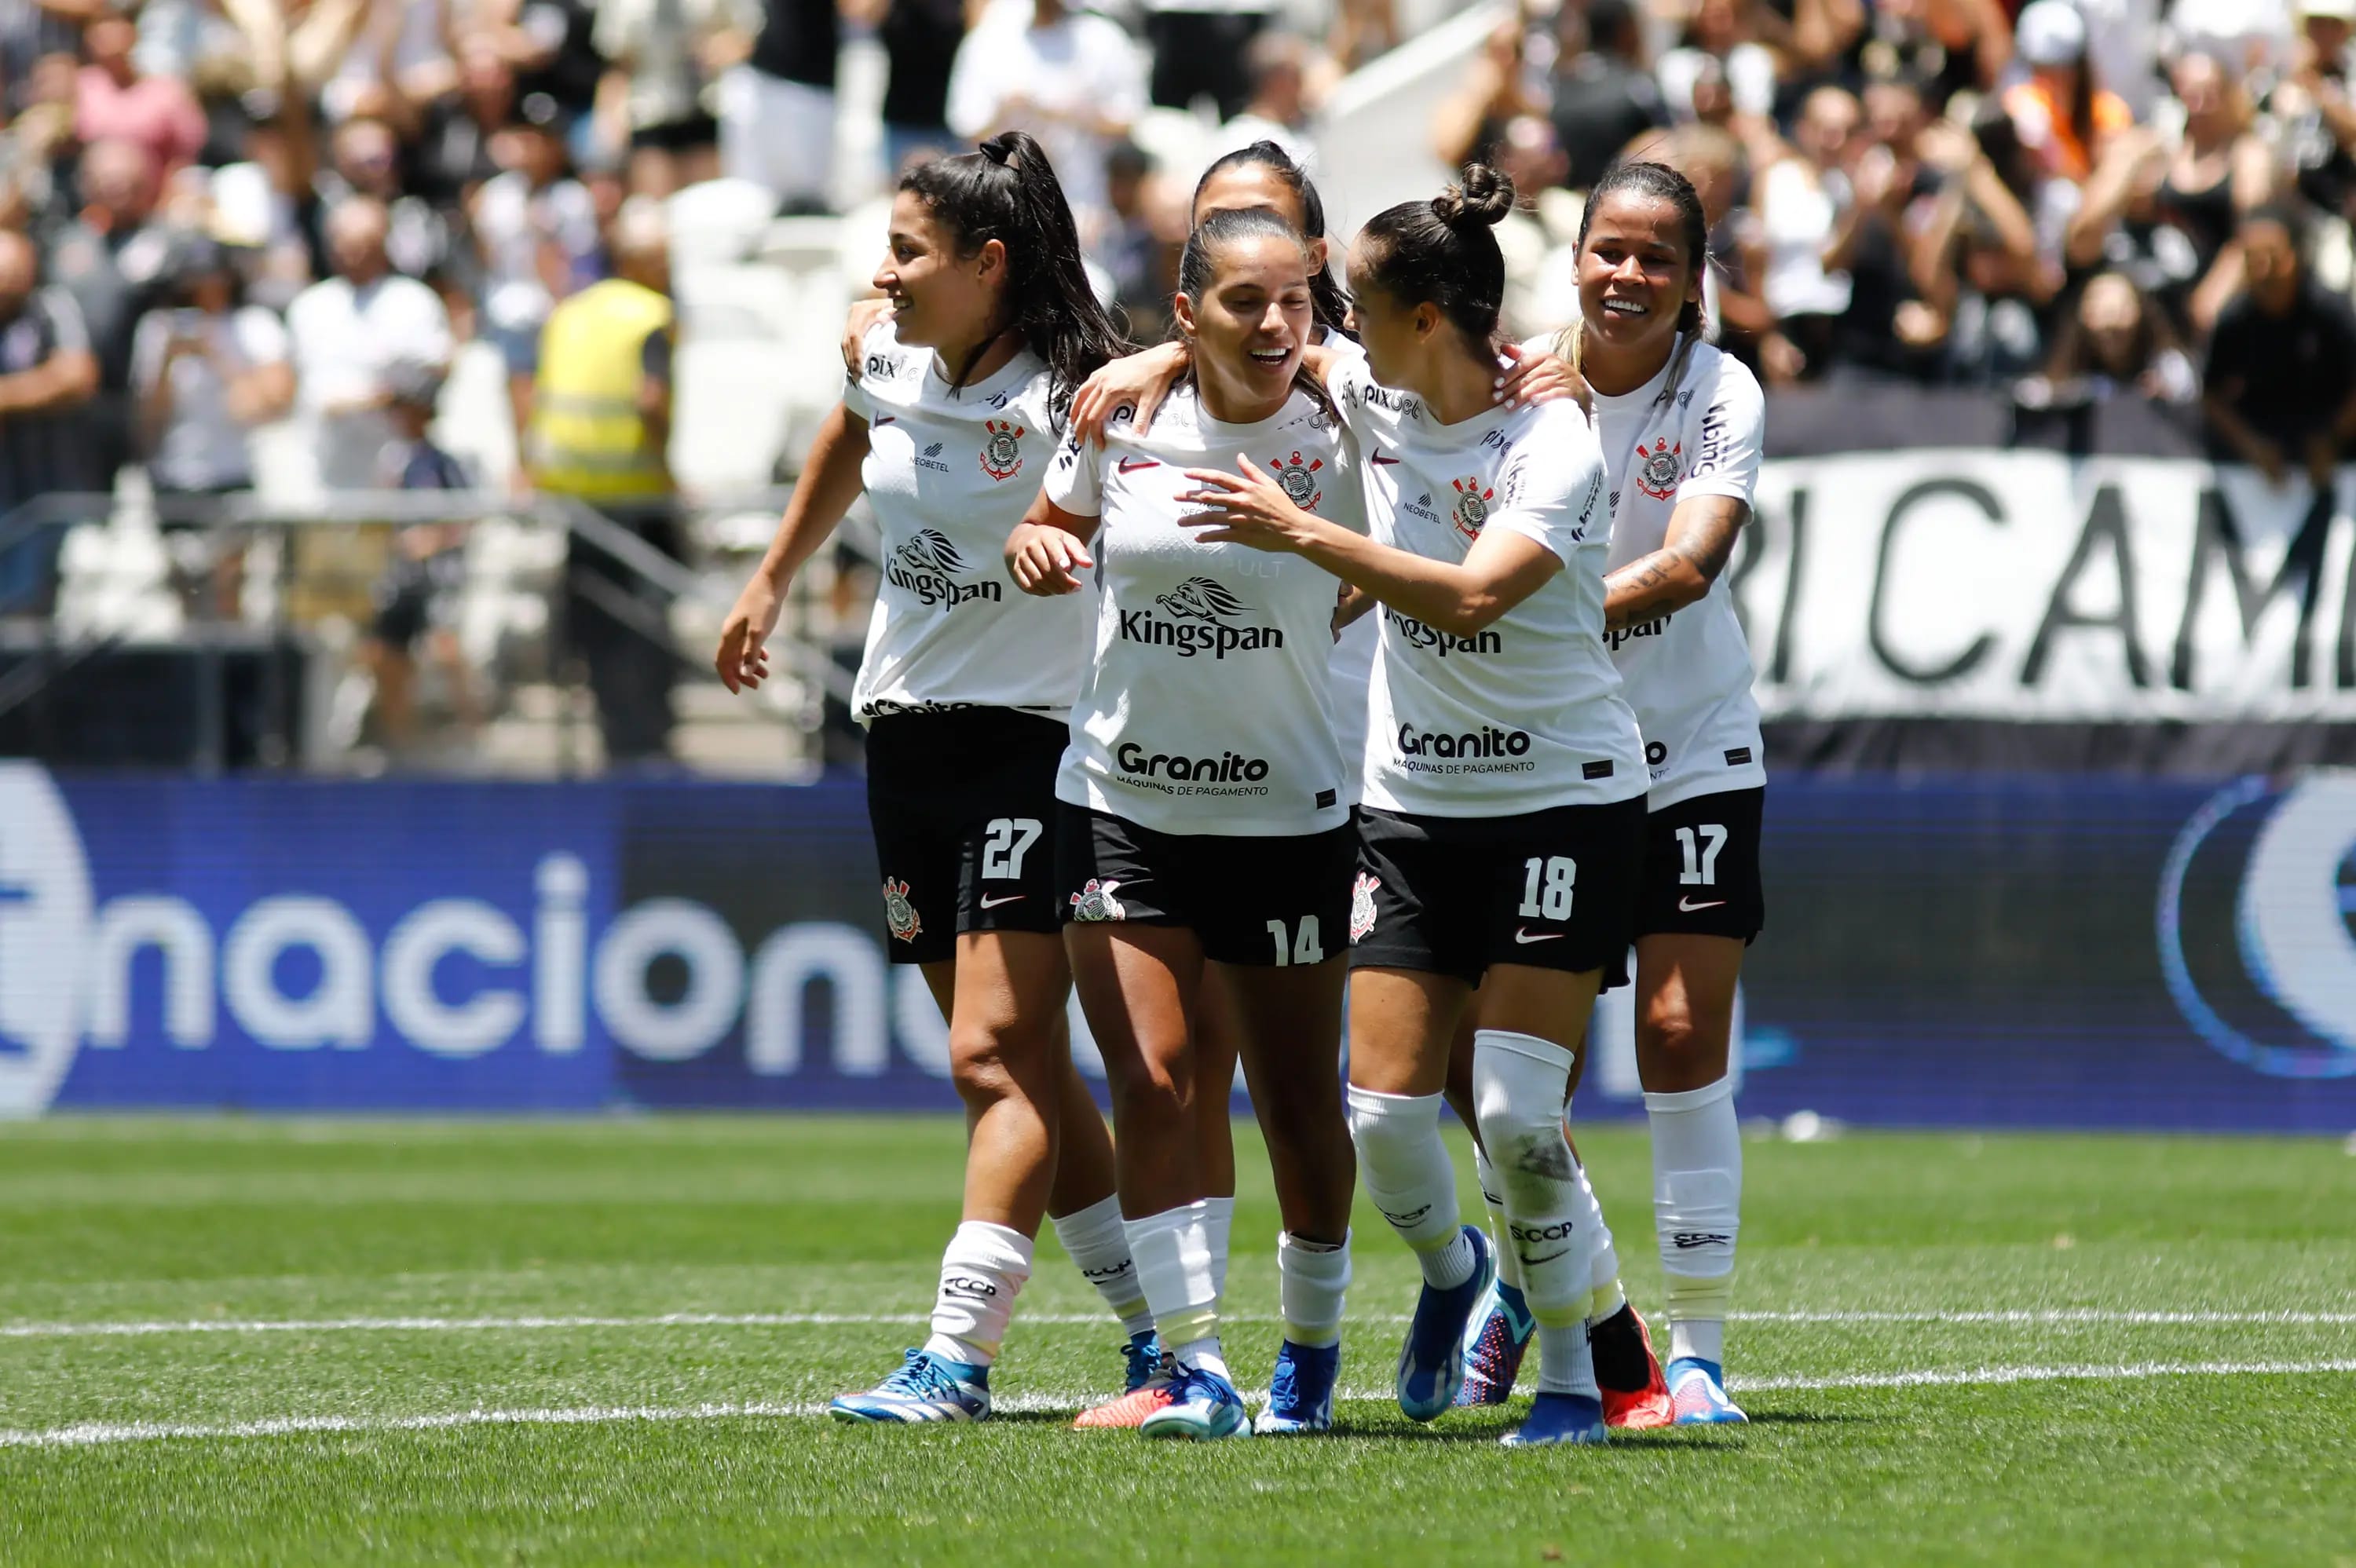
(1518,1082)
(1221,1212)
(1177,1271)
(1406,1172)
(1603,1267)
(982,1270)
(1311,1279)
(1099,1249)
(1697,1208)
(1493,1196)
(1203,1355)
(1566,1361)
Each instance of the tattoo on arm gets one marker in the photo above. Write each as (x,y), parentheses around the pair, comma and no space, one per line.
(1703,533)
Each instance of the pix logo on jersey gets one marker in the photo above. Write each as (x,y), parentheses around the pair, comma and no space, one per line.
(899,913)
(1472,507)
(1659,467)
(1001,449)
(1298,480)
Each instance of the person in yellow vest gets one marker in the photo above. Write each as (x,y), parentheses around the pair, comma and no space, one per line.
(597,429)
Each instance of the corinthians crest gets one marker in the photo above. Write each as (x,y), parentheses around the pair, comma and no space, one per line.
(1001,448)
(1298,480)
(1659,467)
(898,912)
(1095,901)
(1472,507)
(1362,905)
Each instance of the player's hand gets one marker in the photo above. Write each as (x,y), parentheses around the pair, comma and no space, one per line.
(1528,380)
(1045,561)
(1248,508)
(865,314)
(1141,381)
(743,660)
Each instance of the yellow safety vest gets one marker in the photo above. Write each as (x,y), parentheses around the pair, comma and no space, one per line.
(587,437)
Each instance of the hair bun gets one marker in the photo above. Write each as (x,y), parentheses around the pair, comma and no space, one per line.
(1484,198)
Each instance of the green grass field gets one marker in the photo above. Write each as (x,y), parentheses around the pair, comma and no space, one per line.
(605,1342)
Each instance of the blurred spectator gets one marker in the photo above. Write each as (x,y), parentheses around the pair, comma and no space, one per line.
(1131,249)
(114,102)
(453,154)
(537,239)
(1949,47)
(2244,35)
(300,44)
(2123,43)
(43,152)
(1980,263)
(1072,78)
(416,600)
(1722,31)
(599,431)
(1795,202)
(2115,344)
(2280,386)
(205,371)
(367,163)
(1539,236)
(552,44)
(657,97)
(1604,96)
(777,109)
(346,332)
(31,32)
(1893,201)
(2315,109)
(1497,89)
(2060,112)
(1279,64)
(47,375)
(1197,50)
(920,40)
(1363,29)
(112,260)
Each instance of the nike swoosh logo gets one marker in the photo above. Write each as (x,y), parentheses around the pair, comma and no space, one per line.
(1533,1263)
(1524,938)
(881,420)
(1687,906)
(1380,459)
(988,902)
(1132,465)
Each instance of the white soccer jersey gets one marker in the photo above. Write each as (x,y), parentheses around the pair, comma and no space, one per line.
(1687,675)
(1527,715)
(949,474)
(1206,708)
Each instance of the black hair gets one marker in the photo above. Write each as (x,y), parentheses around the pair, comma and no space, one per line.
(1325,295)
(2283,215)
(1198,264)
(1654,182)
(1007,191)
(1442,253)
(1612,25)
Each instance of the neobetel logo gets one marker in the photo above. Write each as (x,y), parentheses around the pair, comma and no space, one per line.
(1195,619)
(925,566)
(1486,742)
(1227,767)
(451,978)
(2258,925)
(1432,639)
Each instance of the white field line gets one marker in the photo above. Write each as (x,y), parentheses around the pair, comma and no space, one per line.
(92,1434)
(444,1325)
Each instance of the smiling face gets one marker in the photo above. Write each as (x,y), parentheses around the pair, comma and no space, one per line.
(1635,273)
(1250,322)
(940,298)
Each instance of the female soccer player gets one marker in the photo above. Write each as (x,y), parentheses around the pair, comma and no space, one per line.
(1203,847)
(1682,425)
(946,425)
(1503,784)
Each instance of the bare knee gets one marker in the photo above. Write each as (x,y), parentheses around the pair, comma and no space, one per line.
(991,1065)
(1676,1051)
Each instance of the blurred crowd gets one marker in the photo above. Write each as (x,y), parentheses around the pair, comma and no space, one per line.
(2071,200)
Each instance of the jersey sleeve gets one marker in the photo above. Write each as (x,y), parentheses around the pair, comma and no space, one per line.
(1725,435)
(855,398)
(1345,498)
(1552,491)
(1075,479)
(1346,382)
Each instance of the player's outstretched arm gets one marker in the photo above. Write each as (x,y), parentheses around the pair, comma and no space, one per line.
(1141,381)
(829,484)
(1699,543)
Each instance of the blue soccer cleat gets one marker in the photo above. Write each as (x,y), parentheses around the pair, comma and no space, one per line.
(1144,1355)
(1300,1393)
(1203,1406)
(1431,1362)
(1495,1340)
(1559,1418)
(1697,1394)
(925,1388)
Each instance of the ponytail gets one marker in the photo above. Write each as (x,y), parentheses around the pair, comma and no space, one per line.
(1443,252)
(1325,295)
(1657,182)
(1007,191)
